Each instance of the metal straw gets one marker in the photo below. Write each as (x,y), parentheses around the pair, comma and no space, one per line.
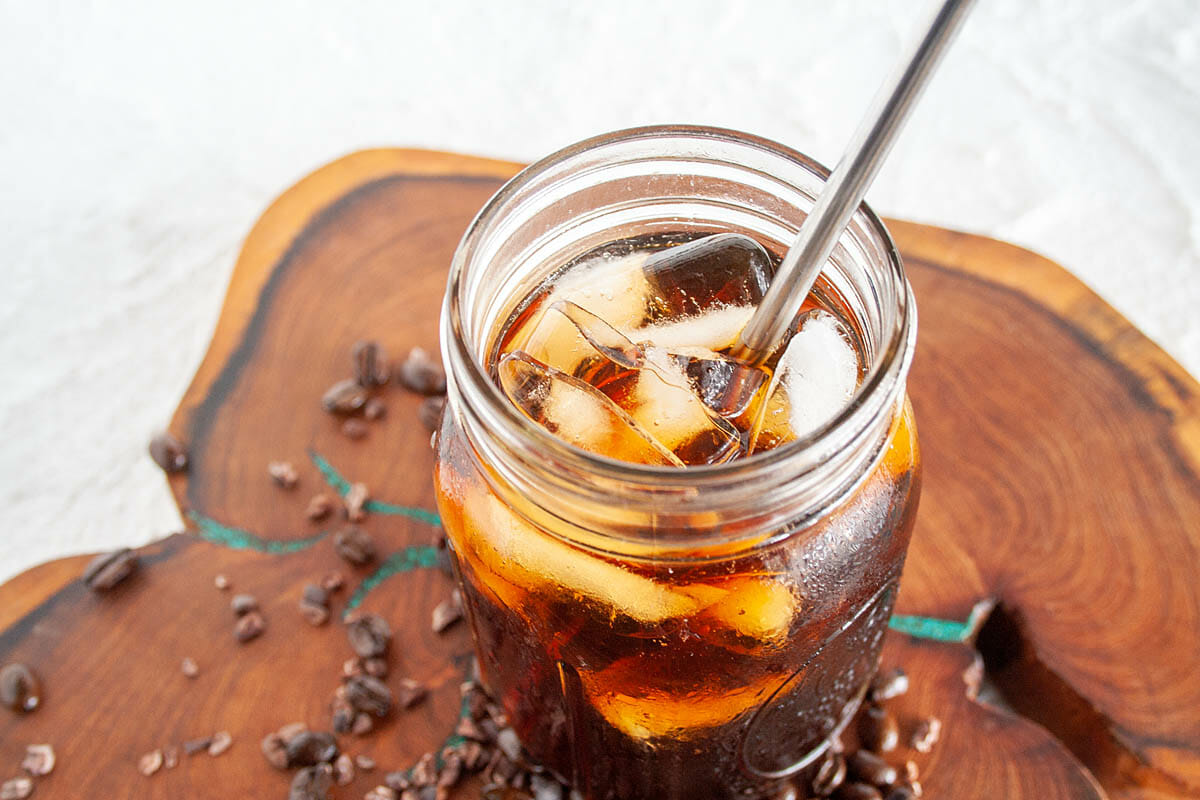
(845,188)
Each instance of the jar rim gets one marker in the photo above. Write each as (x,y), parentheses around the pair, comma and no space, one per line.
(465,367)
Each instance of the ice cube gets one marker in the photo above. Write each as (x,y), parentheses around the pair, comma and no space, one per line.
(760,607)
(510,547)
(612,286)
(725,269)
(814,380)
(578,413)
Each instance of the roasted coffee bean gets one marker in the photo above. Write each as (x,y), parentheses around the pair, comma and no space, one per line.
(452,769)
(421,374)
(221,582)
(867,767)
(108,569)
(382,793)
(312,783)
(344,397)
(370,364)
(877,730)
(369,695)
(249,626)
(16,789)
(283,473)
(355,502)
(315,595)
(901,792)
(243,604)
(343,716)
(369,635)
(319,507)
(375,667)
(150,763)
(430,412)
(314,615)
(543,787)
(310,747)
(39,760)
(194,746)
(291,731)
(375,409)
(398,780)
(168,453)
(858,791)
(221,741)
(314,604)
(509,744)
(354,428)
(887,684)
(425,772)
(274,750)
(333,582)
(911,772)
(474,755)
(446,614)
(189,667)
(927,732)
(19,688)
(170,756)
(410,693)
(830,775)
(364,762)
(343,770)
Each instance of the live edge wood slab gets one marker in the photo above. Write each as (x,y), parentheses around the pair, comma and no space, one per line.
(1060,517)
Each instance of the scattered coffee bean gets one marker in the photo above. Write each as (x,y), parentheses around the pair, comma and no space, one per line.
(291,731)
(410,693)
(16,789)
(39,760)
(375,409)
(342,715)
(430,412)
(469,729)
(19,688)
(475,756)
(243,604)
(333,582)
(249,626)
(168,453)
(375,667)
(314,604)
(343,770)
(150,763)
(170,756)
(189,667)
(315,594)
(108,569)
(425,772)
(354,545)
(911,772)
(221,741)
(858,791)
(369,635)
(830,775)
(319,507)
(867,767)
(370,364)
(344,397)
(452,768)
(310,747)
(382,793)
(355,502)
(888,684)
(194,746)
(421,374)
(509,744)
(915,787)
(925,736)
(446,614)
(221,582)
(877,730)
(364,762)
(274,750)
(901,792)
(363,724)
(354,428)
(312,783)
(369,695)
(283,473)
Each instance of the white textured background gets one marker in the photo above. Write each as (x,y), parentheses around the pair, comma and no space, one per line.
(140,140)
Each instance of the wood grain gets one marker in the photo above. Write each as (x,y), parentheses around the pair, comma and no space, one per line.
(1061,462)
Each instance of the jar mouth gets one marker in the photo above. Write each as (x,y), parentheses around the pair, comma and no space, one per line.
(468,374)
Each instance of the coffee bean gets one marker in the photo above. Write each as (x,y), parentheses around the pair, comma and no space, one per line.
(363,724)
(168,453)
(39,760)
(410,693)
(375,409)
(421,374)
(189,668)
(250,626)
(425,772)
(344,397)
(397,781)
(16,789)
(343,770)
(274,750)
(509,744)
(382,793)
(355,502)
(364,762)
(369,695)
(342,715)
(858,791)
(354,428)
(221,582)
(19,688)
(108,569)
(221,741)
(283,473)
(911,772)
(867,767)
(901,792)
(877,730)
(830,775)
(310,747)
(354,545)
(370,364)
(475,755)
(314,594)
(452,769)
(544,787)
(194,746)
(314,604)
(925,736)
(150,763)
(430,412)
(446,614)
(243,604)
(369,635)
(333,581)
(314,615)
(319,507)
(170,757)
(312,783)
(888,684)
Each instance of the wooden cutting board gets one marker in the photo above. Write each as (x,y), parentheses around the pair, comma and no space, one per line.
(1055,564)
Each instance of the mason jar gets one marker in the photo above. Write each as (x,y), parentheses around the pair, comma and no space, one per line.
(662,632)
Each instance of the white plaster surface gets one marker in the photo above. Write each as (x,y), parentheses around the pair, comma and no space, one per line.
(139,141)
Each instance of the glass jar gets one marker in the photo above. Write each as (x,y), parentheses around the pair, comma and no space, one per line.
(655,632)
